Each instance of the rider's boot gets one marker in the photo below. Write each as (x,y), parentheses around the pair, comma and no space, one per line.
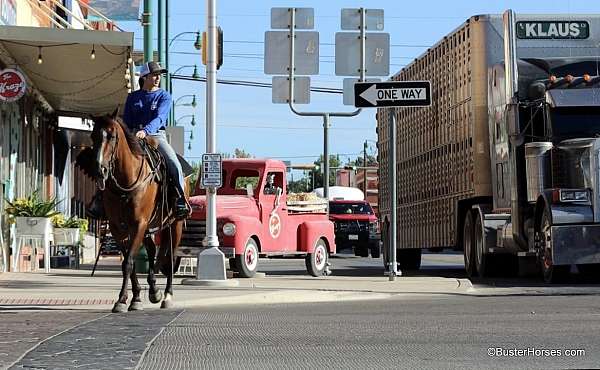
(95,209)
(182,209)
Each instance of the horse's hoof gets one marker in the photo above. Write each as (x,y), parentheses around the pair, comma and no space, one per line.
(156,297)
(166,304)
(119,308)
(136,306)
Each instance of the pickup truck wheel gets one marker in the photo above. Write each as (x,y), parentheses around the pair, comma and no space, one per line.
(232,264)
(362,251)
(375,250)
(316,262)
(247,263)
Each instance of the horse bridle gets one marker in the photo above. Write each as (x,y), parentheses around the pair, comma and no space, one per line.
(108,173)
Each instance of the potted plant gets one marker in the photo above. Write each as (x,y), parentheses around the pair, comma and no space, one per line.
(32,218)
(67,231)
(32,214)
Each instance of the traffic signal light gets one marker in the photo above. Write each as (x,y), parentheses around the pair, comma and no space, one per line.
(219,47)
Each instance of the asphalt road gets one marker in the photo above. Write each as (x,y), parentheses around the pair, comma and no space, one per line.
(435,332)
(413,332)
(419,333)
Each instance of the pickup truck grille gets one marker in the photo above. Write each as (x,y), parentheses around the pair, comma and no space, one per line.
(193,233)
(353,226)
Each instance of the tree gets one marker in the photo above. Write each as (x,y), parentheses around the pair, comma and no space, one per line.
(371,161)
(317,172)
(302,185)
(194,176)
(241,153)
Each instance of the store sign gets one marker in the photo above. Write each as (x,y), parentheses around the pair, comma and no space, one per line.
(553,30)
(12,85)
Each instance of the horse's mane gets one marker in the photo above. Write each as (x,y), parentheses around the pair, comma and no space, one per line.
(86,160)
(132,141)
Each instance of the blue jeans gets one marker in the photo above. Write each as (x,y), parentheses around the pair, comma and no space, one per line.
(173,165)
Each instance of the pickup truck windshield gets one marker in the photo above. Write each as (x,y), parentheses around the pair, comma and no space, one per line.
(350,209)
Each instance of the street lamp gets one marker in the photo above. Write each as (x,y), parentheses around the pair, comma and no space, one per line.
(195,75)
(193,103)
(197,45)
(192,122)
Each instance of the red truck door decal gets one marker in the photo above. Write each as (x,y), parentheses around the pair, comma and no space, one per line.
(274,225)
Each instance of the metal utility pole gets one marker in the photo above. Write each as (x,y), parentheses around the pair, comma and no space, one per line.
(162,20)
(365,169)
(147,24)
(211,239)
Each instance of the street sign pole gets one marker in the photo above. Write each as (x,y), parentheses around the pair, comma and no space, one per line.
(211,239)
(326,115)
(392,94)
(392,185)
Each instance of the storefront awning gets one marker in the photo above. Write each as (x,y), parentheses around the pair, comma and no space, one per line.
(72,81)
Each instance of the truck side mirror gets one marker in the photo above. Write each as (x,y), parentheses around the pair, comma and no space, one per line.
(278,193)
(249,190)
(536,90)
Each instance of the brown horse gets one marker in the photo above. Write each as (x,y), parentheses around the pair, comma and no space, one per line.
(132,201)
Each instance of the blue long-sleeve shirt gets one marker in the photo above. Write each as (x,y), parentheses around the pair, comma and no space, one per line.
(147,110)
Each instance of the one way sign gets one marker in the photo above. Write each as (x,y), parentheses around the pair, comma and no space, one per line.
(392,94)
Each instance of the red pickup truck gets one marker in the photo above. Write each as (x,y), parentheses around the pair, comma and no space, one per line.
(254,217)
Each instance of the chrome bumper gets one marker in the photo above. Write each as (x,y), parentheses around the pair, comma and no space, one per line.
(575,244)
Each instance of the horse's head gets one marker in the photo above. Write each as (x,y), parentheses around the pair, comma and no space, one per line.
(105,137)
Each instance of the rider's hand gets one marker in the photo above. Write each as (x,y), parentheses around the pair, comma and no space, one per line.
(140,134)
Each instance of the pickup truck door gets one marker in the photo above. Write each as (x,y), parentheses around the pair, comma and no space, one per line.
(274,214)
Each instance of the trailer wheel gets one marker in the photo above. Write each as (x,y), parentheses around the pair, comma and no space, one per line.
(468,242)
(550,272)
(409,259)
(247,262)
(482,259)
(316,262)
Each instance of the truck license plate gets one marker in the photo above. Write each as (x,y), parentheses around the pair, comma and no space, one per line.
(352,237)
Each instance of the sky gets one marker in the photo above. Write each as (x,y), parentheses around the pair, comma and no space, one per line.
(246,117)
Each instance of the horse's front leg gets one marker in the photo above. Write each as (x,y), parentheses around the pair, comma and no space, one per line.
(127,268)
(155,294)
(136,301)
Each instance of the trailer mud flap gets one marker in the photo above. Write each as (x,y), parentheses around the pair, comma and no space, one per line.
(575,244)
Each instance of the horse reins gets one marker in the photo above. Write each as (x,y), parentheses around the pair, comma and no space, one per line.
(114,141)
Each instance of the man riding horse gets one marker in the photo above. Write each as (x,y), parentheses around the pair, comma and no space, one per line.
(146,112)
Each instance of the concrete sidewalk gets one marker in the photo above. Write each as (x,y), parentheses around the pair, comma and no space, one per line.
(76,289)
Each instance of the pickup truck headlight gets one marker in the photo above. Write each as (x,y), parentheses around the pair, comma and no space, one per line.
(229,229)
(574,196)
(374,227)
